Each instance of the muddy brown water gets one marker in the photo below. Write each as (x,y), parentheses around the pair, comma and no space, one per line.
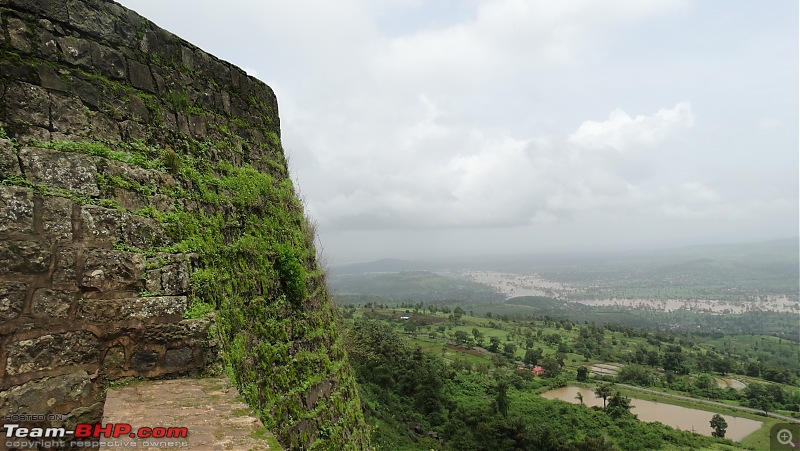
(678,417)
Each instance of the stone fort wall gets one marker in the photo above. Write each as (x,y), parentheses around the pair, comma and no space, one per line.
(142,186)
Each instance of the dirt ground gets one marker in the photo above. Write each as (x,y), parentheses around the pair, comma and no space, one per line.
(210,409)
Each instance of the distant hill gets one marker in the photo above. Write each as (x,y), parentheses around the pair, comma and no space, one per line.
(412,286)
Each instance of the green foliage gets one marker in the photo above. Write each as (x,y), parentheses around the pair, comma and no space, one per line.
(178,100)
(291,273)
(719,425)
(603,391)
(619,406)
(171,160)
(636,375)
(136,153)
(198,309)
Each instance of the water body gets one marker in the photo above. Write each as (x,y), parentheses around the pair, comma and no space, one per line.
(678,417)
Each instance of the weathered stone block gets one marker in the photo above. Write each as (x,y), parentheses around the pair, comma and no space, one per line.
(143,233)
(145,177)
(187,58)
(144,360)
(76,51)
(320,391)
(28,103)
(67,115)
(9,163)
(54,9)
(90,414)
(51,303)
(94,21)
(20,36)
(177,358)
(87,92)
(161,83)
(183,124)
(138,108)
(113,310)
(226,102)
(52,351)
(197,125)
(24,257)
(40,396)
(11,71)
(193,330)
(57,218)
(103,127)
(49,78)
(71,171)
(162,202)
(12,299)
(16,210)
(130,200)
(109,62)
(169,118)
(132,130)
(48,45)
(30,134)
(114,358)
(64,272)
(108,270)
(100,224)
(170,279)
(128,26)
(140,76)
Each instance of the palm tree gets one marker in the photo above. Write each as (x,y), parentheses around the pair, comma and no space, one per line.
(579,397)
(603,391)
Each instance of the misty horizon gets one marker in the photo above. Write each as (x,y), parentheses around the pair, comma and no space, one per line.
(784,247)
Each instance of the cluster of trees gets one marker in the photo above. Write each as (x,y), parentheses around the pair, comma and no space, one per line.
(763,396)
(615,404)
(769,397)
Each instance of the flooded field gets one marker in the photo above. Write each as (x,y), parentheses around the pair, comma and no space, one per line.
(765,304)
(605,369)
(678,417)
(513,285)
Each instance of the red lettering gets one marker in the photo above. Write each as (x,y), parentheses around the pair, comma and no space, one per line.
(121,429)
(103,431)
(83,430)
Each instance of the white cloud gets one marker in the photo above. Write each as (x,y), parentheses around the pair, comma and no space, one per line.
(438,175)
(623,133)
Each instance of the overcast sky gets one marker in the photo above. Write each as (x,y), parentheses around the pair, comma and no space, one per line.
(430,128)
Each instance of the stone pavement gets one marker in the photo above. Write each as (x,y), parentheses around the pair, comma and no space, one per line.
(210,409)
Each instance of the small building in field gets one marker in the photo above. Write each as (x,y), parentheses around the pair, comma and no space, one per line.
(537,371)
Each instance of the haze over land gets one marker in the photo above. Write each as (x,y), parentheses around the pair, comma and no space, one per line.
(449,128)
